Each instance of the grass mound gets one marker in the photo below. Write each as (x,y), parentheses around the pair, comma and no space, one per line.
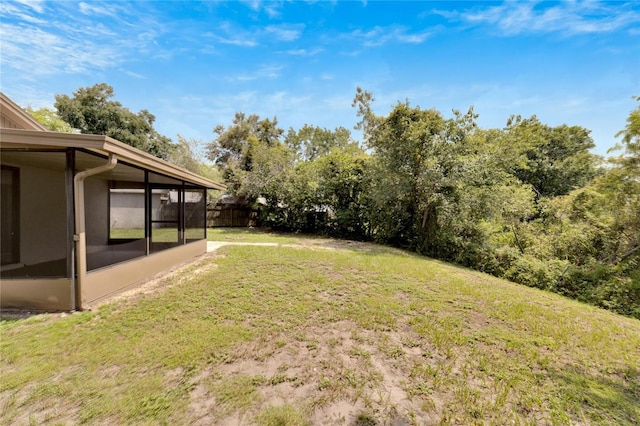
(324,332)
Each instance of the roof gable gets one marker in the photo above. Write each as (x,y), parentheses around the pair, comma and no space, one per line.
(14,117)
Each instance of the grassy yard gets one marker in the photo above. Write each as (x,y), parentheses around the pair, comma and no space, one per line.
(323,332)
(159,235)
(253,235)
(241,235)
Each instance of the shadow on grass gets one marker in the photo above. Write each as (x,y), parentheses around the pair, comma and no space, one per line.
(8,316)
(605,401)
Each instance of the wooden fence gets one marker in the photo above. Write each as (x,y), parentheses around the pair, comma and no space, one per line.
(231,215)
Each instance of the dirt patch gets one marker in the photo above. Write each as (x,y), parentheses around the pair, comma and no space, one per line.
(335,373)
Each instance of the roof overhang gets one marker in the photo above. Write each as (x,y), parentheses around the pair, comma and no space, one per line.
(104,145)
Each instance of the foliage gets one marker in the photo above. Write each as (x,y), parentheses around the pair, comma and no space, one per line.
(232,145)
(310,143)
(527,202)
(90,110)
(50,119)
(554,160)
(188,154)
(247,141)
(343,176)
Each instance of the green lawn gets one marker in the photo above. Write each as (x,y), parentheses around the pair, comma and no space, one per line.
(253,235)
(324,332)
(245,235)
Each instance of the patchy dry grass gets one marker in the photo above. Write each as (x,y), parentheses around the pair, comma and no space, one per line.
(322,332)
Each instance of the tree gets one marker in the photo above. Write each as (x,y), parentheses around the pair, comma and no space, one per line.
(369,121)
(622,183)
(594,233)
(91,111)
(413,159)
(311,142)
(50,119)
(554,160)
(244,145)
(187,153)
(630,158)
(232,144)
(342,188)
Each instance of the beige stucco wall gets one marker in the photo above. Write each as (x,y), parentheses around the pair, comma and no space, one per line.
(96,200)
(47,294)
(127,209)
(43,231)
(112,279)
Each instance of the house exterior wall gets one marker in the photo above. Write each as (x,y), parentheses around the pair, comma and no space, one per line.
(96,200)
(43,231)
(125,209)
(47,294)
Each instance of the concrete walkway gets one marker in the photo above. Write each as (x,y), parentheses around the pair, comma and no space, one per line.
(215,245)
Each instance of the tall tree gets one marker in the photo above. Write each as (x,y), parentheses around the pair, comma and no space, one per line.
(623,184)
(554,160)
(188,154)
(244,145)
(91,110)
(409,149)
(232,143)
(312,142)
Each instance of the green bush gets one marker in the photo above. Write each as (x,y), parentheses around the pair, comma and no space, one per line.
(534,272)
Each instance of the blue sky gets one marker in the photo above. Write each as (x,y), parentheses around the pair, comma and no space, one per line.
(194,64)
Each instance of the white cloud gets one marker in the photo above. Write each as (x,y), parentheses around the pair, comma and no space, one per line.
(238,41)
(234,36)
(565,17)
(379,36)
(285,32)
(271,8)
(229,33)
(68,41)
(40,52)
(94,9)
(304,52)
(19,11)
(133,74)
(263,72)
(33,4)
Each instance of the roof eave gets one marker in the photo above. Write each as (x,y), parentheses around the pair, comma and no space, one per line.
(14,138)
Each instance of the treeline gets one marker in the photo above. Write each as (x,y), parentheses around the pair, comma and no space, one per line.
(91,110)
(527,202)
